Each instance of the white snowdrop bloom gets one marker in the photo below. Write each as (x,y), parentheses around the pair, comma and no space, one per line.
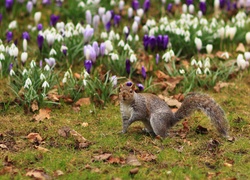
(2,48)
(230,32)
(13,24)
(104,35)
(209,48)
(193,62)
(166,56)
(81,4)
(140,12)
(199,33)
(28,83)
(198,71)
(121,43)
(191,9)
(117,36)
(45,84)
(198,43)
(59,37)
(84,82)
(127,47)
(24,57)
(67,74)
(131,52)
(225,55)
(85,73)
(246,55)
(199,63)
(112,35)
(25,44)
(207,63)
(109,46)
(13,50)
(32,64)
(184,8)
(132,58)
(114,56)
(42,77)
(182,71)
(47,68)
(2,57)
(64,80)
(112,2)
(136,37)
(247,37)
(24,72)
(37,17)
(241,63)
(12,72)
(207,71)
(221,32)
(135,27)
(52,52)
(130,38)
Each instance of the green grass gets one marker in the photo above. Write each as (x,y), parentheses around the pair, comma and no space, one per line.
(192,157)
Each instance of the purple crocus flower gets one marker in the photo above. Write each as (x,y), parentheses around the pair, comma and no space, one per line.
(1,17)
(143,72)
(159,40)
(46,2)
(41,63)
(102,48)
(39,27)
(96,48)
(53,19)
(50,61)
(140,87)
(128,66)
(88,17)
(26,35)
(10,66)
(108,26)
(117,19)
(89,53)
(165,42)
(146,41)
(40,40)
(88,65)
(129,83)
(170,6)
(152,43)
(228,5)
(29,6)
(203,7)
(9,4)
(157,58)
(9,36)
(188,2)
(59,3)
(135,4)
(88,33)
(96,21)
(222,3)
(146,5)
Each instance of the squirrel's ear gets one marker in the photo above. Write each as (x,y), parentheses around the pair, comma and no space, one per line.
(133,87)
(120,87)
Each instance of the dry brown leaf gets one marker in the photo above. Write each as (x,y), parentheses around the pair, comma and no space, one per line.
(85,124)
(38,174)
(8,170)
(116,160)
(64,131)
(147,157)
(3,146)
(161,75)
(78,76)
(185,126)
(34,137)
(34,106)
(132,160)
(83,101)
(134,171)
(240,48)
(102,157)
(221,85)
(58,173)
(42,149)
(43,114)
(78,137)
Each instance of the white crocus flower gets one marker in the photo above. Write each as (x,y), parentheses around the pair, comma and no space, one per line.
(24,57)
(135,27)
(198,43)
(37,17)
(246,54)
(191,8)
(13,24)
(209,48)
(25,45)
(50,37)
(109,46)
(28,83)
(140,12)
(247,37)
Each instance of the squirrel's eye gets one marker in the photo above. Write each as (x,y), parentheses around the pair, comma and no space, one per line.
(131,91)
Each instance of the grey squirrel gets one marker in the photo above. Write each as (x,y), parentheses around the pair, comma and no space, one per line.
(156,115)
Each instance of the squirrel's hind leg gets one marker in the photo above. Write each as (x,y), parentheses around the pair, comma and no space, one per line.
(158,124)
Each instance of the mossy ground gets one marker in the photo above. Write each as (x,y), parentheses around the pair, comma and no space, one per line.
(195,156)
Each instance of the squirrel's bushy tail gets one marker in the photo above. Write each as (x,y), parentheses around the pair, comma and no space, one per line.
(208,106)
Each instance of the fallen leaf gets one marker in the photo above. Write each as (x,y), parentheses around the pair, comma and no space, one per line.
(147,157)
(85,124)
(102,157)
(180,97)
(64,131)
(185,126)
(133,161)
(171,102)
(8,170)
(116,160)
(58,173)
(240,48)
(34,138)
(179,148)
(201,130)
(34,106)
(3,146)
(221,85)
(83,101)
(42,149)
(161,75)
(38,174)
(78,137)
(134,171)
(43,114)
(78,76)
(228,164)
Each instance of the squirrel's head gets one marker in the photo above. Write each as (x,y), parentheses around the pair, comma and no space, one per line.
(126,92)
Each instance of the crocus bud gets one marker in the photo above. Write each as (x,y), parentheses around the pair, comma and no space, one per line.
(113,80)
(130,12)
(101,11)
(40,40)
(140,87)
(88,33)
(39,27)
(88,65)
(203,7)
(170,6)
(25,44)
(143,72)
(247,56)
(88,17)
(127,66)
(50,39)
(1,17)
(191,9)
(189,2)
(24,57)
(37,17)
(184,8)
(209,48)
(135,4)
(53,19)
(96,21)
(146,5)
(102,48)
(157,58)
(26,35)
(29,6)
(9,4)
(117,19)
(135,27)
(121,5)
(96,48)
(50,61)
(64,49)
(9,36)
(198,43)
(140,12)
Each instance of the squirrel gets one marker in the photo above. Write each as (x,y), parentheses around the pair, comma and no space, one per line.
(156,115)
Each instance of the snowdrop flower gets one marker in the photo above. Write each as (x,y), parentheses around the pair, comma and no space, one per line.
(198,43)
(207,71)
(166,56)
(28,83)
(121,43)
(47,68)
(193,62)
(199,63)
(225,55)
(126,47)
(132,58)
(52,52)
(45,84)
(2,57)
(198,71)
(140,12)
(247,37)
(24,57)
(114,56)
(207,63)
(64,80)
(209,48)
(24,72)
(108,47)
(221,32)
(104,35)
(13,24)
(241,63)
(230,32)
(37,17)
(182,71)
(136,37)
(2,48)
(42,77)
(84,82)
(130,38)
